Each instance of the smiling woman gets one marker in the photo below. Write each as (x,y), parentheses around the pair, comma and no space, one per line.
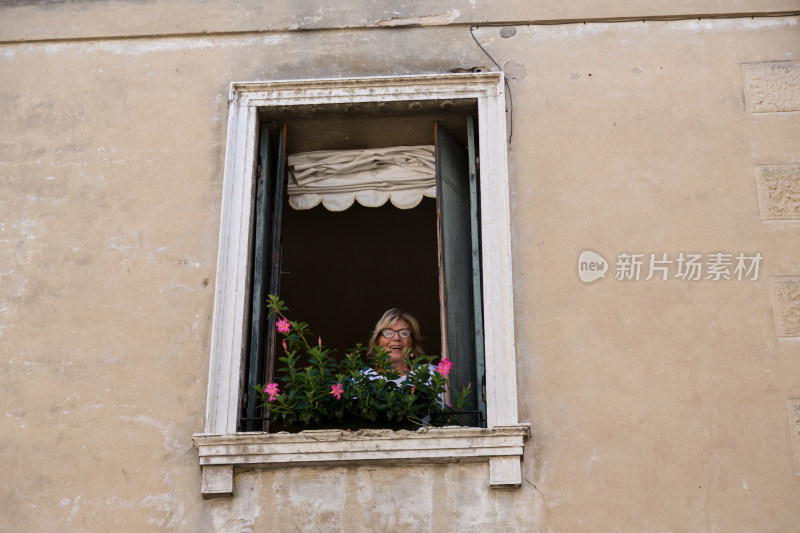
(398,333)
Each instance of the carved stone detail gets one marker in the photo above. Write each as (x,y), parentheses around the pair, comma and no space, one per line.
(771,87)
(779,192)
(217,481)
(793,408)
(502,446)
(786,304)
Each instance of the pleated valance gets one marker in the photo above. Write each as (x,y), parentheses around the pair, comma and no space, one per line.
(337,178)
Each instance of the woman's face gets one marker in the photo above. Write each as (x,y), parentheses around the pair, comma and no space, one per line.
(395,345)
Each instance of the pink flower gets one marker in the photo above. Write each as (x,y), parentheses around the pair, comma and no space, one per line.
(283,325)
(285,349)
(444,366)
(319,341)
(337,391)
(413,388)
(272,390)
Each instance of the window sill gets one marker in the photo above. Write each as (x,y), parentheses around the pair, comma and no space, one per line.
(501,446)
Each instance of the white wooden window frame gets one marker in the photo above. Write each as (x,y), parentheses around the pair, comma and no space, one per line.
(220,447)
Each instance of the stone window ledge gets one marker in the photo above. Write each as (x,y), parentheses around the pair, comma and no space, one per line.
(501,446)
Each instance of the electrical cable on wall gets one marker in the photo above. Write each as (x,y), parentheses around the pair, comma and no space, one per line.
(675,18)
(508,87)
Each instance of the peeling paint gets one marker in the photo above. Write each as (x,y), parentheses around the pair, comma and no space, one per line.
(634,28)
(242,515)
(125,241)
(171,442)
(141,47)
(440,19)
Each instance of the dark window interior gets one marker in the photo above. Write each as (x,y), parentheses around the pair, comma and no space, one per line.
(342,270)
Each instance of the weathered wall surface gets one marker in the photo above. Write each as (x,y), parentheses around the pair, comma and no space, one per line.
(670,395)
(45,19)
(655,405)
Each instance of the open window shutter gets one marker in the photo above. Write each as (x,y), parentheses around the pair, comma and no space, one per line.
(275,255)
(455,261)
(266,270)
(477,289)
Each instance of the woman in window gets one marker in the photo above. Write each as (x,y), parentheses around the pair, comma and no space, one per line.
(398,333)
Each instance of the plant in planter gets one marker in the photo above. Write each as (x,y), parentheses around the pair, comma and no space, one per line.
(356,391)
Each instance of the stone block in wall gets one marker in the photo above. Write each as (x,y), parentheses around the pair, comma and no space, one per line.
(217,481)
(778,191)
(793,406)
(772,87)
(786,305)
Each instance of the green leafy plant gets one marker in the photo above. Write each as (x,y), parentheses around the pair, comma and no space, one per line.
(317,389)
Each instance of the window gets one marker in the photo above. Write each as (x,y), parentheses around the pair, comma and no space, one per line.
(340,267)
(253,104)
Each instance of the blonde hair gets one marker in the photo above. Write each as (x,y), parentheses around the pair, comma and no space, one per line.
(388,320)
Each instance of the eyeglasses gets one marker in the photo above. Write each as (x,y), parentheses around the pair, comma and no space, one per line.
(389,333)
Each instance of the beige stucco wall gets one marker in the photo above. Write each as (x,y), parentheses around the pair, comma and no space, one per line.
(660,405)
(655,405)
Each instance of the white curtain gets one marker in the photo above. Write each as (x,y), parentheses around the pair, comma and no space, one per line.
(337,178)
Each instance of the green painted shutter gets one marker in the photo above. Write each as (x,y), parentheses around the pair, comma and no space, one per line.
(477,288)
(457,275)
(277,247)
(266,270)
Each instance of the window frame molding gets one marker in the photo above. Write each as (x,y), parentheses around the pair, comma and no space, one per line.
(220,448)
